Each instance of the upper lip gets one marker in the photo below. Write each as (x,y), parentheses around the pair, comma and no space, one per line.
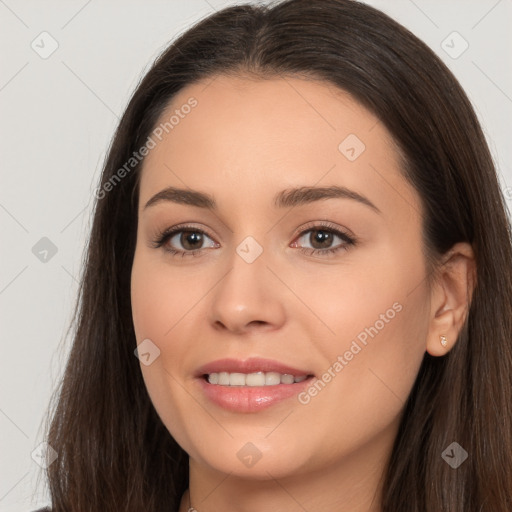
(251,365)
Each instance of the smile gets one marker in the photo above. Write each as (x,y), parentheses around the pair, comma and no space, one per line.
(253,379)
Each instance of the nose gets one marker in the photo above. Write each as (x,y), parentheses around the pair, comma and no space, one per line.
(249,297)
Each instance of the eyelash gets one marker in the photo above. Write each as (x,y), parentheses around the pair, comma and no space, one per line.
(167,234)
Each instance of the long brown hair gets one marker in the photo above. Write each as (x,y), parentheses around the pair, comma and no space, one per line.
(114,453)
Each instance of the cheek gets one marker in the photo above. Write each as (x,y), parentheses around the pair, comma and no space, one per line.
(374,369)
(158,304)
(160,296)
(377,297)
(378,321)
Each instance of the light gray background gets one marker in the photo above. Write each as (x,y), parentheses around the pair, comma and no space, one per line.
(58,116)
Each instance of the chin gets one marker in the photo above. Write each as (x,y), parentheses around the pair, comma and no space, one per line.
(257,460)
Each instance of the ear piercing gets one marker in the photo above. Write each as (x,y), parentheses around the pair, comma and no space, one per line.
(444,341)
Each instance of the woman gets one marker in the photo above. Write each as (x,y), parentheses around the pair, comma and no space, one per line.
(300,235)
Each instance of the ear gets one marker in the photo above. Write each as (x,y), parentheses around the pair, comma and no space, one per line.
(451,297)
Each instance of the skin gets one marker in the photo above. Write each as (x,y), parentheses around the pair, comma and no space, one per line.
(245,141)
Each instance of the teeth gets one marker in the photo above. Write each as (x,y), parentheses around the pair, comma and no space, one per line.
(253,379)
(272,378)
(223,379)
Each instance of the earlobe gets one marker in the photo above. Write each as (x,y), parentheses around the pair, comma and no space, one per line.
(451,299)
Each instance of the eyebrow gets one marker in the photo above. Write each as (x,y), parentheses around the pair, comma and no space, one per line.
(285,199)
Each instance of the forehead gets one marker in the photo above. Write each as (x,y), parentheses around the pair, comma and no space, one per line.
(263,135)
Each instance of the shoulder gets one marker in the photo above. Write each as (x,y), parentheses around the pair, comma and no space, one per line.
(45,509)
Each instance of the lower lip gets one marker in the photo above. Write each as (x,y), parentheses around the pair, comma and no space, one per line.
(250,398)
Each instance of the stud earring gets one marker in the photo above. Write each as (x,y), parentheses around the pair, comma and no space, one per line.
(444,341)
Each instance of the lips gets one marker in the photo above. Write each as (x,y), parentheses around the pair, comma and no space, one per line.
(247,398)
(251,365)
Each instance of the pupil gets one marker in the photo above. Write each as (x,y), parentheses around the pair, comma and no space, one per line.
(323,236)
(191,236)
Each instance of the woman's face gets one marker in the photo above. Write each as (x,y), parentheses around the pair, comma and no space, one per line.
(352,315)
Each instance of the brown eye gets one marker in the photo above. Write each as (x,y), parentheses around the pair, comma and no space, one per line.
(183,240)
(321,239)
(191,240)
